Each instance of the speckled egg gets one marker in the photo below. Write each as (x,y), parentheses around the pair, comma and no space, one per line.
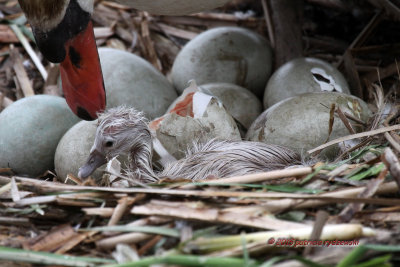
(30,131)
(226,54)
(134,82)
(73,150)
(173,7)
(302,122)
(303,75)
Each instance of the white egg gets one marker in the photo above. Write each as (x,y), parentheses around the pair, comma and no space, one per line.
(226,54)
(30,131)
(302,122)
(132,81)
(73,150)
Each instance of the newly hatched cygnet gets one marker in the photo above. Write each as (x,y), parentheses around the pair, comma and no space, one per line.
(125,131)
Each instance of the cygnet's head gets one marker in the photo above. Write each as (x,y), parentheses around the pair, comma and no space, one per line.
(120,131)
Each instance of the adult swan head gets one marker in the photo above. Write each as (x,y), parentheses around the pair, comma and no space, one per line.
(64,34)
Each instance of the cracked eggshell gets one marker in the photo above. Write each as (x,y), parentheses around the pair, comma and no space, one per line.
(302,122)
(240,103)
(74,148)
(173,7)
(226,54)
(200,117)
(303,75)
(30,131)
(132,81)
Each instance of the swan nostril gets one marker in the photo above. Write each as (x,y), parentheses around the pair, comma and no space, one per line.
(109,144)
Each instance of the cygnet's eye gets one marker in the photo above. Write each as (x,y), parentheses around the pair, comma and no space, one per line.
(109,144)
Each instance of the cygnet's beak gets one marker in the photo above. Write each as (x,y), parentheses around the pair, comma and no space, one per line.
(95,160)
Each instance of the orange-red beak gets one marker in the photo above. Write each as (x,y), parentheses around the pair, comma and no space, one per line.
(81,75)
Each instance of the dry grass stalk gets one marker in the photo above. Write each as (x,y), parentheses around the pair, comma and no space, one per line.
(201,212)
(4,101)
(261,177)
(20,72)
(102,212)
(174,31)
(330,232)
(7,35)
(354,136)
(52,240)
(320,221)
(30,51)
(392,163)
(348,212)
(131,238)
(329,197)
(276,206)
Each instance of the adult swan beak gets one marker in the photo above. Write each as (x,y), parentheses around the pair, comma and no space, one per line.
(64,34)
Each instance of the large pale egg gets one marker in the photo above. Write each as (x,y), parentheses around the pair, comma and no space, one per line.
(30,130)
(134,82)
(197,117)
(303,75)
(74,148)
(173,7)
(302,122)
(226,54)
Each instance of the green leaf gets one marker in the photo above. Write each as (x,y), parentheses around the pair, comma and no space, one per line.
(356,254)
(306,262)
(21,255)
(375,170)
(381,261)
(189,260)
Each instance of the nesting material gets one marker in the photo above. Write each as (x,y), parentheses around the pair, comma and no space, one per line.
(134,82)
(302,122)
(196,117)
(30,131)
(303,75)
(173,7)
(74,148)
(226,54)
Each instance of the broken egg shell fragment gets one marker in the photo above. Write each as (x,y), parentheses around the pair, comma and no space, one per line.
(303,75)
(208,120)
(225,54)
(302,122)
(240,103)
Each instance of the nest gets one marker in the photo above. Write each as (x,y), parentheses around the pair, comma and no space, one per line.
(294,215)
